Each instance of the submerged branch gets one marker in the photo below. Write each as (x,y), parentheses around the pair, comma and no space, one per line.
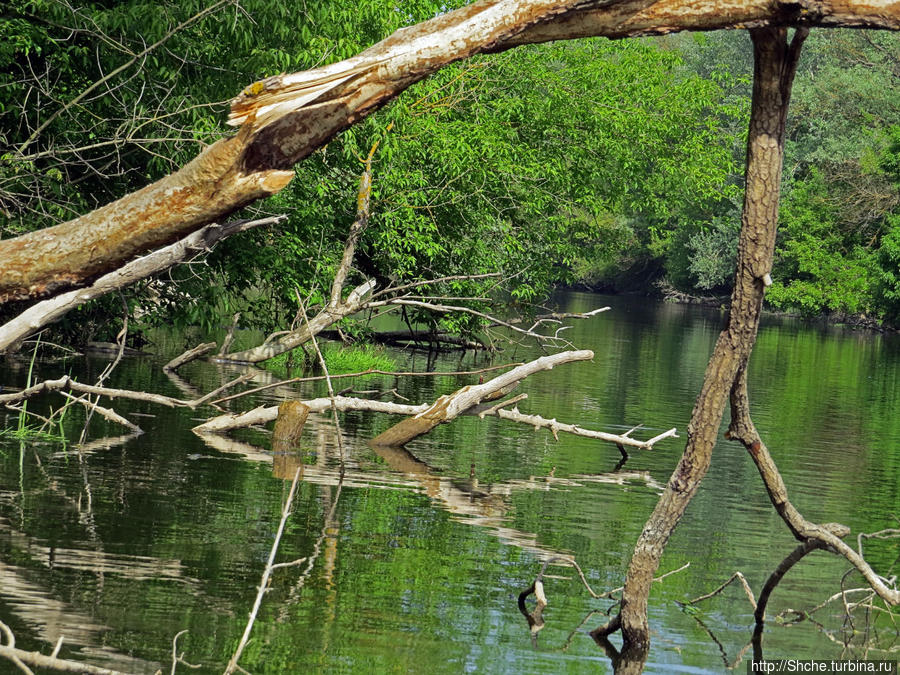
(828,536)
(555,427)
(450,406)
(267,572)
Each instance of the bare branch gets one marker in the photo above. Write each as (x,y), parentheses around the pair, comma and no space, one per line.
(111,415)
(267,572)
(67,383)
(448,407)
(190,355)
(736,576)
(555,427)
(125,66)
(45,312)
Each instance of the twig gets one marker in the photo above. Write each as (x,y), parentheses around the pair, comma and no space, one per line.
(737,575)
(179,658)
(229,337)
(464,310)
(267,572)
(393,290)
(610,594)
(493,409)
(67,383)
(137,57)
(889,533)
(111,415)
(315,344)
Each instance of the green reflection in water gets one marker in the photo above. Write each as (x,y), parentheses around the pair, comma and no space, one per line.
(122,546)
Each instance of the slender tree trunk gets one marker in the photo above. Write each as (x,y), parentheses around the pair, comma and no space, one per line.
(775,65)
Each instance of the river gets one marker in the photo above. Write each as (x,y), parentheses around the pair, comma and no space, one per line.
(412,561)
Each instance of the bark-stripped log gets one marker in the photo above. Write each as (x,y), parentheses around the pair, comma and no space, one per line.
(287,117)
(450,406)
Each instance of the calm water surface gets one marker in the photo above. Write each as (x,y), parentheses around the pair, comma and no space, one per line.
(413,562)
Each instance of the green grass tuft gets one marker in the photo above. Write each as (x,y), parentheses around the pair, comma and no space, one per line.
(28,432)
(339,360)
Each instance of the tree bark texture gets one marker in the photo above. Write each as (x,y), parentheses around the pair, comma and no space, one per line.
(285,118)
(775,63)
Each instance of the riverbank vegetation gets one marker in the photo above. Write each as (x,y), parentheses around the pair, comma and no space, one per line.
(612,164)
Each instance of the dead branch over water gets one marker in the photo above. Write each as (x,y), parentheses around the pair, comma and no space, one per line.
(423,417)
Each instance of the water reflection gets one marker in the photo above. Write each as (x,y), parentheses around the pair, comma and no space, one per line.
(485,506)
(419,563)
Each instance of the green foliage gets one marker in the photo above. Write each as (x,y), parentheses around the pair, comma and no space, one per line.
(580,160)
(338,359)
(887,272)
(545,164)
(818,269)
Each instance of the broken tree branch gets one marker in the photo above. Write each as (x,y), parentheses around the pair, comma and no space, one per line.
(829,536)
(448,407)
(190,355)
(738,576)
(336,309)
(263,415)
(555,427)
(67,383)
(327,317)
(425,417)
(111,415)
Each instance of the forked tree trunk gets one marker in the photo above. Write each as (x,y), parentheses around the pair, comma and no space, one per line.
(775,62)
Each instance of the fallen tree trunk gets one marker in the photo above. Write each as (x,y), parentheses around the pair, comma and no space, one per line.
(423,418)
(263,415)
(449,407)
(285,118)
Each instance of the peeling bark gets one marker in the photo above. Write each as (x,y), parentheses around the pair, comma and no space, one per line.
(47,311)
(208,188)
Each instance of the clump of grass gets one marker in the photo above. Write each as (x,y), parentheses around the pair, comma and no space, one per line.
(31,432)
(339,359)
(357,359)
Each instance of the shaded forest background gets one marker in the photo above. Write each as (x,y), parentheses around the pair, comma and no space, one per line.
(611,164)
